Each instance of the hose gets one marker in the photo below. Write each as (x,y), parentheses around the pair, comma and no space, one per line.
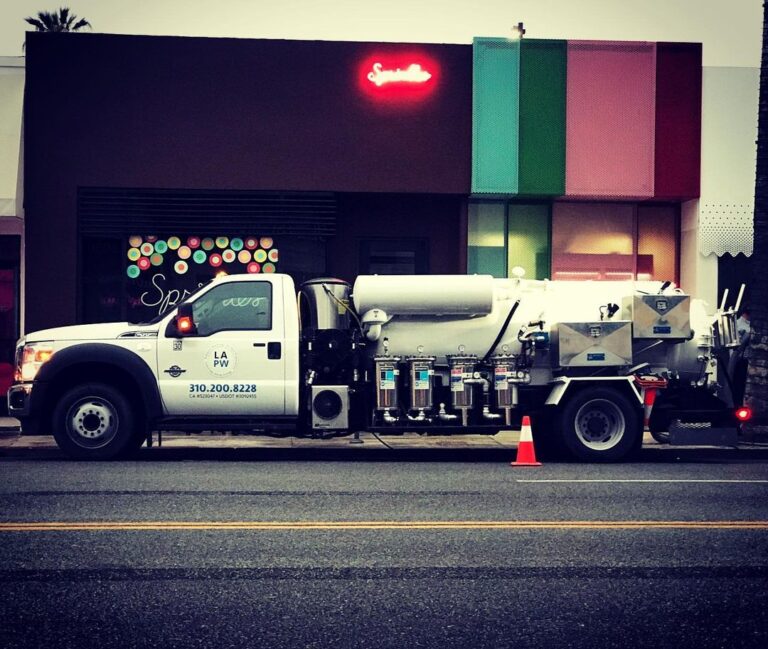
(330,294)
(502,331)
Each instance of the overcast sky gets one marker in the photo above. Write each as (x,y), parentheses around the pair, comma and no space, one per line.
(729,29)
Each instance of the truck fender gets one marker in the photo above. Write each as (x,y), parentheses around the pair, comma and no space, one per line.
(107,355)
(562,383)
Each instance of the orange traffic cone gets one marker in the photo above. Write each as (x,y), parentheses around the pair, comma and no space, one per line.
(526,454)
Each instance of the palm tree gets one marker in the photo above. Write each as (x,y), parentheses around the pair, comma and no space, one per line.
(58,21)
(756,394)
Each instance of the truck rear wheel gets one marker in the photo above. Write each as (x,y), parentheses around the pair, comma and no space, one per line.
(94,422)
(601,425)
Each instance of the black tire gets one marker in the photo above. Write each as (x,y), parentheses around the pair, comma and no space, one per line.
(95,421)
(601,425)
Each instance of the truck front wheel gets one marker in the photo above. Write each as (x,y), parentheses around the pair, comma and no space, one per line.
(601,425)
(94,422)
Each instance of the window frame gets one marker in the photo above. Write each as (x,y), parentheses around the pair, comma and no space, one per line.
(270,313)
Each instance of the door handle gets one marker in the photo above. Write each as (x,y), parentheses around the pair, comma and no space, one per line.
(274,351)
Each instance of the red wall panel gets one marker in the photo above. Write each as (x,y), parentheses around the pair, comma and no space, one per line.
(678,120)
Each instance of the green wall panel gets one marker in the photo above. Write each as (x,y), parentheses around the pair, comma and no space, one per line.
(542,117)
(495,109)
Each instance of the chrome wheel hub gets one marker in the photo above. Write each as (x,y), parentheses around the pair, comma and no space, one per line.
(600,424)
(92,422)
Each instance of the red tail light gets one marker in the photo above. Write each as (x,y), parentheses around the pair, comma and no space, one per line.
(743,413)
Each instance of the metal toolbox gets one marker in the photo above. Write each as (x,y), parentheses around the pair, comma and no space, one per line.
(593,344)
(659,316)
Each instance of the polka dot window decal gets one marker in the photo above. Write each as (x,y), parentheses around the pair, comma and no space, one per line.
(250,254)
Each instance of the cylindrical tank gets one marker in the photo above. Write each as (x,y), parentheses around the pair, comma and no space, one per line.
(386,382)
(462,393)
(421,370)
(424,294)
(324,304)
(503,369)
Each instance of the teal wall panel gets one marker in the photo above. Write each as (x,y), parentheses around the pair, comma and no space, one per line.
(495,115)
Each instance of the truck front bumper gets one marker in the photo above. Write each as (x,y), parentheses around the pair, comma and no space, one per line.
(21,404)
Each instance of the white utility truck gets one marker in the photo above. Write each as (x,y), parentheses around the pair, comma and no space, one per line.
(428,354)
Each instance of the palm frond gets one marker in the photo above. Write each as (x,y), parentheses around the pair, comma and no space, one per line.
(59,21)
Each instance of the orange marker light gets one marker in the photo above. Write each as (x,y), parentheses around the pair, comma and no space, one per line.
(184,324)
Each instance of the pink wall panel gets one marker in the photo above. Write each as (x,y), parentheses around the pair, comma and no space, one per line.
(610,117)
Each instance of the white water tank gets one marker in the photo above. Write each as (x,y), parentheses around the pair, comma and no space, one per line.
(424,294)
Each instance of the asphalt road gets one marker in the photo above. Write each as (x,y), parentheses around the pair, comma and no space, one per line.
(451,549)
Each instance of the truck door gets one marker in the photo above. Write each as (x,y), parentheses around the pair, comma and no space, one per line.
(234,364)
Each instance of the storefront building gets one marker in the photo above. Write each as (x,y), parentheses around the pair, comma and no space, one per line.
(154,163)
(11,213)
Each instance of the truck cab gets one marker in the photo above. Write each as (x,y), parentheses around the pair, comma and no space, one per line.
(99,388)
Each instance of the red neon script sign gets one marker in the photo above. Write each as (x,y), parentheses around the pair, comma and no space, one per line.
(414,73)
(397,79)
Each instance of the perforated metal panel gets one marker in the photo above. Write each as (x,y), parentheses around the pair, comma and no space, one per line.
(726,228)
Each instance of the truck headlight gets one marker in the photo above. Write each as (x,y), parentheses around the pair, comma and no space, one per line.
(30,358)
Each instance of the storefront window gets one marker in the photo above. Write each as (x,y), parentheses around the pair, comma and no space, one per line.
(528,239)
(593,241)
(136,277)
(503,235)
(486,239)
(614,241)
(657,227)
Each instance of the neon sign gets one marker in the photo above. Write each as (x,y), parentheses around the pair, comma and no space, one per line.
(414,73)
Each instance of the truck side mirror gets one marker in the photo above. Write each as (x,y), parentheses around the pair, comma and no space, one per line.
(185,324)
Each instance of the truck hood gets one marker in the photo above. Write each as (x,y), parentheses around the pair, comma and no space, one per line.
(102,331)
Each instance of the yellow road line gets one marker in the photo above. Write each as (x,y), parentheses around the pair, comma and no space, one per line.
(111,526)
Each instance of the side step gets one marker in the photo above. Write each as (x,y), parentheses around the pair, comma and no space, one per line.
(701,434)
